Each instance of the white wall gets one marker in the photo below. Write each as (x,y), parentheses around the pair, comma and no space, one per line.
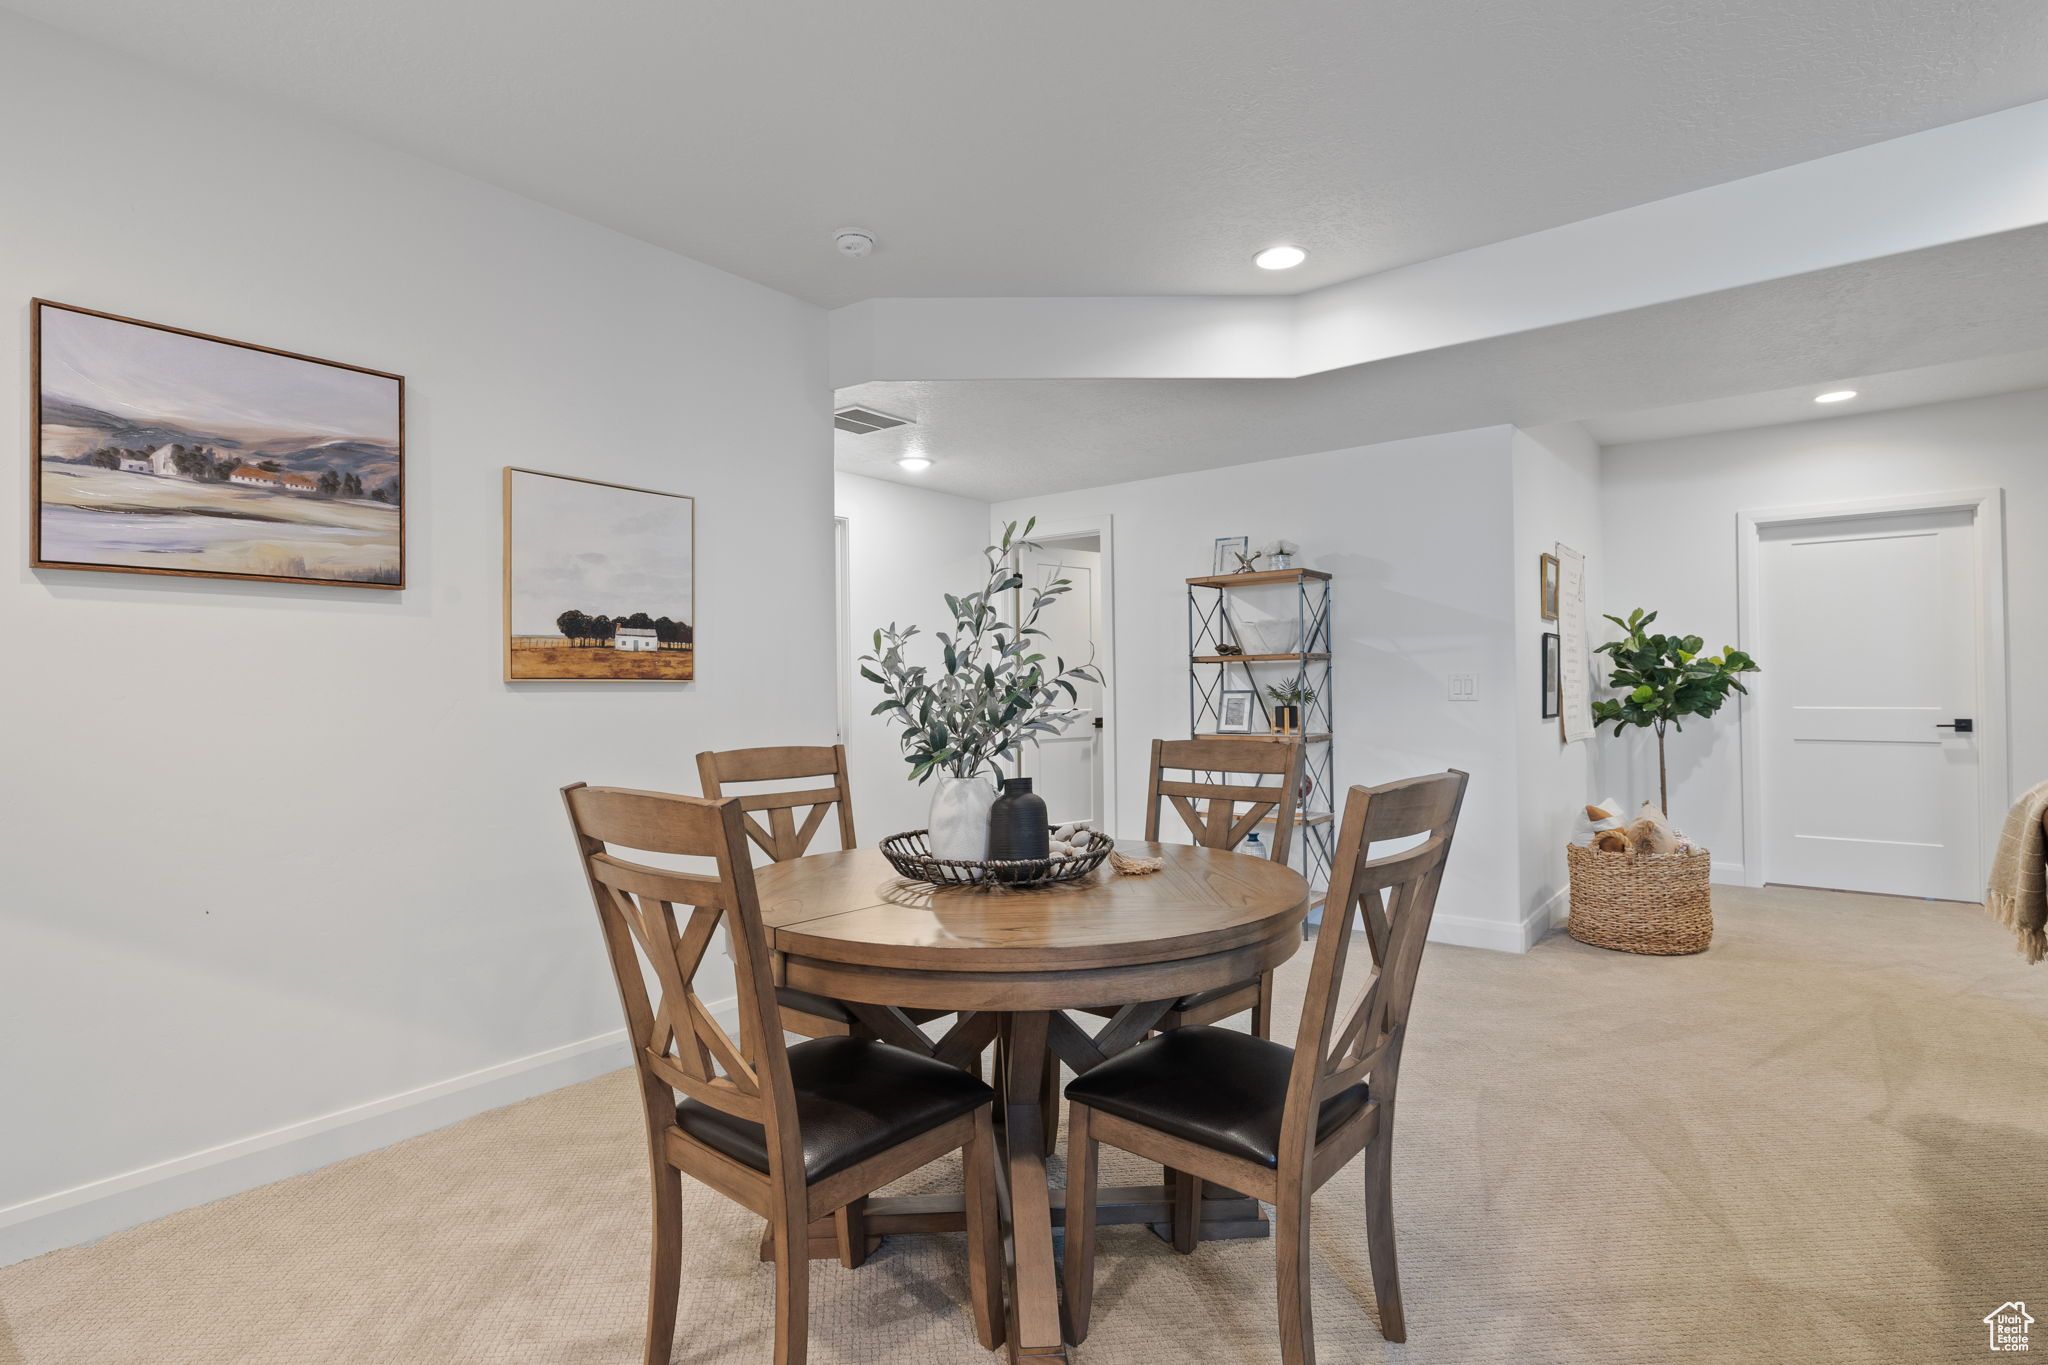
(1668,514)
(1419,535)
(907,547)
(286,874)
(1557,498)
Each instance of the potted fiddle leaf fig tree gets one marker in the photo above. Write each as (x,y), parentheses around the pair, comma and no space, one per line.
(993,691)
(1661,680)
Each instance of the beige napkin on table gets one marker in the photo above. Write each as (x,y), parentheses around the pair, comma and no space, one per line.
(2018,894)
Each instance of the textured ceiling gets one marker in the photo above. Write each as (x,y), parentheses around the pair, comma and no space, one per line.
(1078,147)
(1707,363)
(1874,393)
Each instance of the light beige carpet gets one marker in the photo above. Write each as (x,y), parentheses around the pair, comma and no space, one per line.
(1824,1140)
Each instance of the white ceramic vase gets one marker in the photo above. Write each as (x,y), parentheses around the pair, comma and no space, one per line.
(959,819)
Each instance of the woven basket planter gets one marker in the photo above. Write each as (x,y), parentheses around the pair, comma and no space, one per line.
(1652,903)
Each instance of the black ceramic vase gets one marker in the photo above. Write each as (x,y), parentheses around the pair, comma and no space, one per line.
(1016,823)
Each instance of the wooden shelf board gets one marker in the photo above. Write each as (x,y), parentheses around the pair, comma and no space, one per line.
(1262,576)
(1256,658)
(1262,734)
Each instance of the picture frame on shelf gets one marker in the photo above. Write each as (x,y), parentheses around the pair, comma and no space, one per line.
(1553,684)
(1235,710)
(1223,559)
(1546,586)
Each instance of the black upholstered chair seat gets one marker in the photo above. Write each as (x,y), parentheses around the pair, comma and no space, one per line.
(1216,1087)
(822,1007)
(854,1099)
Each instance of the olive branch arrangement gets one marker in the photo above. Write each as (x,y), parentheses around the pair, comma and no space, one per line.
(994,693)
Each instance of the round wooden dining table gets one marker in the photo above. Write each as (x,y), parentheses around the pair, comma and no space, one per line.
(1008,964)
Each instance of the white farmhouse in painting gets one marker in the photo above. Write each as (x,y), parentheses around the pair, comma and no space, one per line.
(136,464)
(252,476)
(638,641)
(298,483)
(163,462)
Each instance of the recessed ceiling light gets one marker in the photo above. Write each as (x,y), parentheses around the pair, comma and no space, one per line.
(913,463)
(1835,396)
(1280,258)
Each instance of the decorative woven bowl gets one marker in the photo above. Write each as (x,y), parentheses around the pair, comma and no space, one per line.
(1641,903)
(910,853)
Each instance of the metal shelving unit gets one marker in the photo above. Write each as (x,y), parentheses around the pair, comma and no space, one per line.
(1219,661)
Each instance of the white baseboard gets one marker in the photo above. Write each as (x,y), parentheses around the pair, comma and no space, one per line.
(1501,936)
(1465,932)
(1727,874)
(88,1212)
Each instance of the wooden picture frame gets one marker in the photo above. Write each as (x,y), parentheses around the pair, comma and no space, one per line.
(1553,681)
(224,501)
(1547,586)
(562,512)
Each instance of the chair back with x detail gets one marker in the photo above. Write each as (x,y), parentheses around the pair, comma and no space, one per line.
(783,838)
(794,1134)
(1209,808)
(1222,1107)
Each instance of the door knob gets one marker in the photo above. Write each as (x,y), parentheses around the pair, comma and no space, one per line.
(1962,725)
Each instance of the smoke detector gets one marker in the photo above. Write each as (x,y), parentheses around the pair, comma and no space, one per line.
(854,243)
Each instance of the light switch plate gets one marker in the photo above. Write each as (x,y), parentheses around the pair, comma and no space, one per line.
(1464,687)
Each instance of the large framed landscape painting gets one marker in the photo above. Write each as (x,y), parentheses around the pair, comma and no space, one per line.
(163,451)
(600,581)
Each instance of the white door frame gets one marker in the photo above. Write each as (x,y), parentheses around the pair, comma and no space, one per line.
(842,610)
(1987,508)
(1099,525)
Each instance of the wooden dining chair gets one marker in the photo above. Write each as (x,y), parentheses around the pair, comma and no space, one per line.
(1209,809)
(813,1016)
(795,1133)
(1275,1122)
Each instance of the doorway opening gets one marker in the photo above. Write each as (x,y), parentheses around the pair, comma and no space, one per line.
(1076,771)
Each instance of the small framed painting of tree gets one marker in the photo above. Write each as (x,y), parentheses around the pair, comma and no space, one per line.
(600,581)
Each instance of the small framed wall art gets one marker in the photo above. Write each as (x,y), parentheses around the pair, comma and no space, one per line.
(1552,682)
(163,451)
(1546,586)
(600,581)
(1235,710)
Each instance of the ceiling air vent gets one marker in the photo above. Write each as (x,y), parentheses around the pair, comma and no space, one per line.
(860,421)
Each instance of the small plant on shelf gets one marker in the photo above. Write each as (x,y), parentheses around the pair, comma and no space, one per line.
(1279,554)
(1290,700)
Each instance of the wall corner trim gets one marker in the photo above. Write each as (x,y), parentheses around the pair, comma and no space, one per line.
(1501,936)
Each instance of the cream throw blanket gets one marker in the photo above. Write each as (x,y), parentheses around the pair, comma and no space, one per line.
(2018,894)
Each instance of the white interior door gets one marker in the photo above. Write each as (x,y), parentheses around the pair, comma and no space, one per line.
(1870,645)
(1067,769)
